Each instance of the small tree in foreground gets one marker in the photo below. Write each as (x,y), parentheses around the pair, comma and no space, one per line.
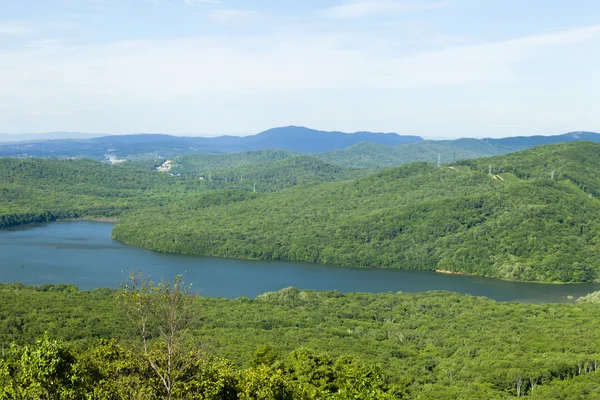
(162,312)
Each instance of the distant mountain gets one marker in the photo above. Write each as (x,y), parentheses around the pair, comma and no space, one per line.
(292,138)
(380,156)
(524,142)
(359,149)
(304,140)
(22,137)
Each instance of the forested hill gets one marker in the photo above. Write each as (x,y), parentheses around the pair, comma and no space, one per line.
(271,176)
(519,225)
(41,190)
(524,142)
(374,155)
(361,155)
(205,163)
(528,220)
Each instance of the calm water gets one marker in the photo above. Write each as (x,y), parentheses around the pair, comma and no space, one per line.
(82,253)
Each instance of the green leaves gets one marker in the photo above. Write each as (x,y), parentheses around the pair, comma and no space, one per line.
(47,370)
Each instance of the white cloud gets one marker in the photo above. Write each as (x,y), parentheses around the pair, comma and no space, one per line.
(231,16)
(201,2)
(14,29)
(221,84)
(367,8)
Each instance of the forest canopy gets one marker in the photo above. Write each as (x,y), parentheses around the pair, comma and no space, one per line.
(522,216)
(405,346)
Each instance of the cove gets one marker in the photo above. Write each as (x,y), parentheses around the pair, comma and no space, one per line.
(83,253)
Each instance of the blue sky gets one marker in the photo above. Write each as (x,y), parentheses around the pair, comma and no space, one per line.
(435,68)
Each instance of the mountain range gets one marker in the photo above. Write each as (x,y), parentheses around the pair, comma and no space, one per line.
(359,149)
(298,139)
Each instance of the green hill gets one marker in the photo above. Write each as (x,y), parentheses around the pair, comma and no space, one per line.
(270,176)
(518,225)
(42,190)
(373,155)
(205,163)
(361,155)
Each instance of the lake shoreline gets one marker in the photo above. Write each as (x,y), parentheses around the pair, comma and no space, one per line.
(82,252)
(438,271)
(102,220)
(446,272)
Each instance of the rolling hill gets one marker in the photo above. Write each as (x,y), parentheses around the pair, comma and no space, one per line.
(41,190)
(517,225)
(205,163)
(525,142)
(272,176)
(374,155)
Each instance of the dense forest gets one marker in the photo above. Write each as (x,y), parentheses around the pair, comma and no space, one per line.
(362,155)
(205,163)
(514,224)
(427,346)
(266,175)
(374,155)
(521,216)
(43,190)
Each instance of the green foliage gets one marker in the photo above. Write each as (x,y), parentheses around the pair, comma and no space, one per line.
(334,346)
(516,224)
(271,176)
(205,163)
(164,311)
(43,190)
(460,219)
(264,355)
(590,298)
(46,371)
(373,155)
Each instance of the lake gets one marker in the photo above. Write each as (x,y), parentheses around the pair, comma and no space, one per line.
(83,253)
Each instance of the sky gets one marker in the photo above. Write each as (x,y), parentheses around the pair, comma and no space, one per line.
(434,68)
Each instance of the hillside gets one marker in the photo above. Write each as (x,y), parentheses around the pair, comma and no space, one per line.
(42,190)
(418,216)
(517,223)
(205,163)
(373,155)
(381,156)
(361,155)
(524,142)
(272,176)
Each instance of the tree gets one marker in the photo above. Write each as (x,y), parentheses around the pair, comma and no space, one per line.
(46,371)
(163,313)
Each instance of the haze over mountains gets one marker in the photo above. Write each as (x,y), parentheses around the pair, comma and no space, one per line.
(298,139)
(360,149)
